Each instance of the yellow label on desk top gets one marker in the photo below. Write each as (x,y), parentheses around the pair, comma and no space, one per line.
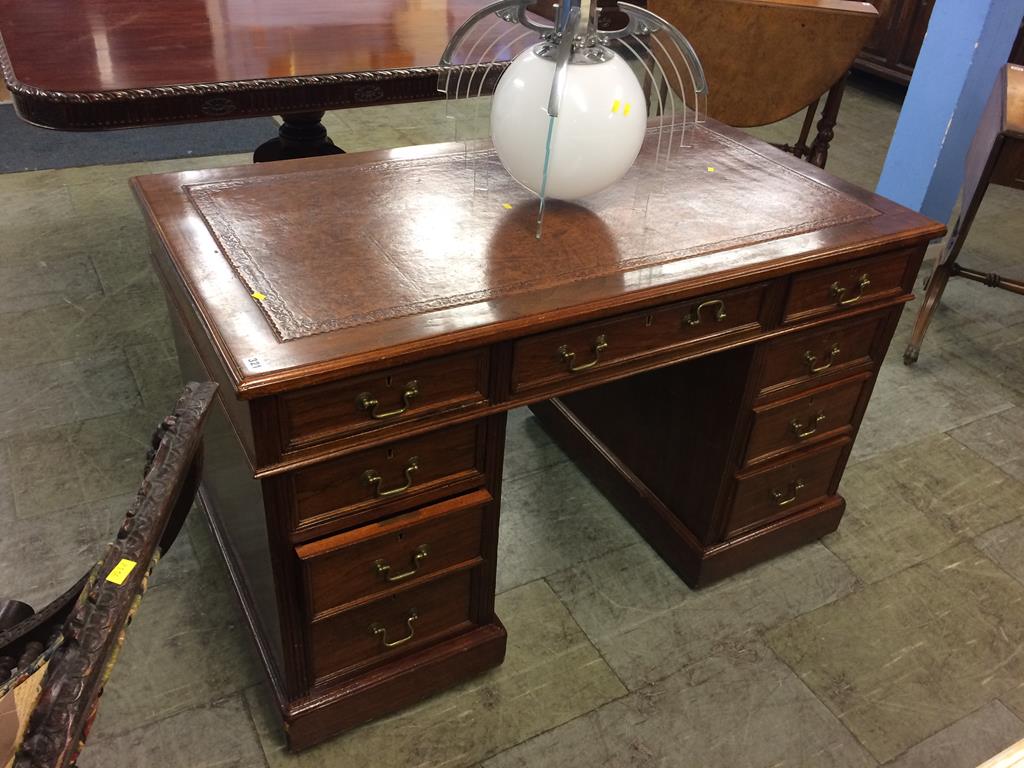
(120,571)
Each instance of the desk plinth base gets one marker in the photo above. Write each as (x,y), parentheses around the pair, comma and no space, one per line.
(696,563)
(393,687)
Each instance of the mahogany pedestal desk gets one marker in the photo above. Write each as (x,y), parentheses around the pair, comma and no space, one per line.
(705,351)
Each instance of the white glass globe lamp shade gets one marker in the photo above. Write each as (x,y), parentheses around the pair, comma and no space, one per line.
(595,139)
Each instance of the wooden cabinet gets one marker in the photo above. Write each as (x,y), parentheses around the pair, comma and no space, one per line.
(892,50)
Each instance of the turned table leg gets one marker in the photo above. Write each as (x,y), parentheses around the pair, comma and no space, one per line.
(818,154)
(300,135)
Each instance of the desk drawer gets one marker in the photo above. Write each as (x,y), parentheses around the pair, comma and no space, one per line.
(821,353)
(590,348)
(809,418)
(767,494)
(837,289)
(363,563)
(396,475)
(395,624)
(378,400)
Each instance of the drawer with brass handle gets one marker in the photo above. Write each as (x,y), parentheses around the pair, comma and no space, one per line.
(855,283)
(377,401)
(810,417)
(359,565)
(763,495)
(396,623)
(583,350)
(398,475)
(822,352)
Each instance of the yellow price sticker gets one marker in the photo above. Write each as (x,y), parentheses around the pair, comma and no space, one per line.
(120,571)
(259,296)
(507,206)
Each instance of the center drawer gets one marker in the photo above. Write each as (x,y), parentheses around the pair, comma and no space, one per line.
(592,347)
(390,477)
(361,564)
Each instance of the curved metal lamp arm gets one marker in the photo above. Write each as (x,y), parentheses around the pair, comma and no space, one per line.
(643,22)
(503,9)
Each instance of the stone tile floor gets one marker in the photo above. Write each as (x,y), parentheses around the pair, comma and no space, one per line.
(896,640)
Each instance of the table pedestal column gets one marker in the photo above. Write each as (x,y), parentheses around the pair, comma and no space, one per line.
(301,135)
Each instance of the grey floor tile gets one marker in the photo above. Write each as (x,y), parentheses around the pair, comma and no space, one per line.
(738,708)
(648,624)
(135,314)
(998,356)
(966,743)
(219,735)
(550,520)
(188,646)
(155,367)
(948,482)
(43,556)
(998,438)
(57,393)
(47,280)
(903,658)
(883,531)
(1005,545)
(81,461)
(527,446)
(551,674)
(911,403)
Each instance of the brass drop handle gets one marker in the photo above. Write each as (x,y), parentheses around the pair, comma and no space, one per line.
(837,293)
(781,500)
(384,569)
(718,304)
(803,431)
(381,631)
(368,402)
(812,361)
(373,477)
(600,345)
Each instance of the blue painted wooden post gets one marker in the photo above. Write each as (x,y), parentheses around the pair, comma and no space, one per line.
(967,43)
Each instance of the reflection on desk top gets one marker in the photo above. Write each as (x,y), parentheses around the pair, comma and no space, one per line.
(415,251)
(76,46)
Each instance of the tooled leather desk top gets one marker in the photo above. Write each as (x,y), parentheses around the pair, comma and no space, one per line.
(350,256)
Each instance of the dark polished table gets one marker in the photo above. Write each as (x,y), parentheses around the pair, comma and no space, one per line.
(103,64)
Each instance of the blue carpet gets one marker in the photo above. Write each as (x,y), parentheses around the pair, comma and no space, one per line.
(25,147)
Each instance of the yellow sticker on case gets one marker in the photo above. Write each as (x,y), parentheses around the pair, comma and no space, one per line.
(259,296)
(120,571)
(507,206)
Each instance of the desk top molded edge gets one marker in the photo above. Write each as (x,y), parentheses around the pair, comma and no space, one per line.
(242,335)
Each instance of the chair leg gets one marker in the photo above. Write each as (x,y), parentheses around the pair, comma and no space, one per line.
(936,285)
